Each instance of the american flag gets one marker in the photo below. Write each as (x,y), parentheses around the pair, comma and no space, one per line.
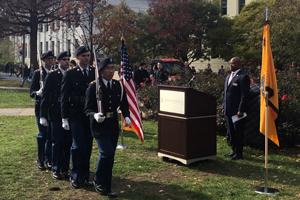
(128,84)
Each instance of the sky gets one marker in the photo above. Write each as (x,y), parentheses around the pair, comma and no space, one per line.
(137,5)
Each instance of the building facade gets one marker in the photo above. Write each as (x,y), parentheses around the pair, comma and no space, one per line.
(233,8)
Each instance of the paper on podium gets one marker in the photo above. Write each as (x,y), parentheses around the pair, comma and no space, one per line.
(235,118)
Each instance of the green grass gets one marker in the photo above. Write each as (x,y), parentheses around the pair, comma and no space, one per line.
(139,174)
(15,99)
(13,83)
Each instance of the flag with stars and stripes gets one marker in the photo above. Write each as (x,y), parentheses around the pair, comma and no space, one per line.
(129,87)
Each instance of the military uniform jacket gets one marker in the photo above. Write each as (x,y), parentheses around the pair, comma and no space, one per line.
(51,98)
(111,100)
(35,86)
(73,89)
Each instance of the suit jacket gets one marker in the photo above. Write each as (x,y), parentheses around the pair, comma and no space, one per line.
(51,98)
(236,93)
(111,100)
(35,86)
(73,91)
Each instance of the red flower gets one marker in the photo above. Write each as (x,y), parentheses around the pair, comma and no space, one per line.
(284,97)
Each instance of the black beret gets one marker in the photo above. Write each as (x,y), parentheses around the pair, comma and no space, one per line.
(105,62)
(48,54)
(63,54)
(81,50)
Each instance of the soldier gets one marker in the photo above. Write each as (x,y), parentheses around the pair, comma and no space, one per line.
(43,138)
(50,109)
(74,85)
(104,125)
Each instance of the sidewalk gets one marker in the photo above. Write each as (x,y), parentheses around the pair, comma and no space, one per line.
(14,88)
(16,111)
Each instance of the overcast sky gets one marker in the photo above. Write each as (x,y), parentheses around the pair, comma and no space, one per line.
(137,5)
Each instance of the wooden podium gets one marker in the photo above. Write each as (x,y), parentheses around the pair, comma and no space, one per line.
(186,124)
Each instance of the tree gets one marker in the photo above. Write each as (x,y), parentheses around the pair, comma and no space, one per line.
(284,19)
(113,22)
(23,17)
(83,12)
(6,51)
(183,28)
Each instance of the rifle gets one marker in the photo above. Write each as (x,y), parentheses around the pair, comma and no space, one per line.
(98,89)
(40,68)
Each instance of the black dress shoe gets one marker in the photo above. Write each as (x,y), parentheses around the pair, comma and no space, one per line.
(99,188)
(65,175)
(88,183)
(56,175)
(74,184)
(237,157)
(49,166)
(112,195)
(230,154)
(41,166)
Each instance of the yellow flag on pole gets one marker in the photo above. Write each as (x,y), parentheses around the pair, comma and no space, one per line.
(268,84)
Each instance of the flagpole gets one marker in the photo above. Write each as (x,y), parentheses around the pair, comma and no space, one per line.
(266,190)
(121,146)
(266,141)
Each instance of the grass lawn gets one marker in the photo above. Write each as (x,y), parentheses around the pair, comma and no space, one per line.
(13,83)
(139,174)
(15,99)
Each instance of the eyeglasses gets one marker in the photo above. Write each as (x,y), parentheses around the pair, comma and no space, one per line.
(66,59)
(85,55)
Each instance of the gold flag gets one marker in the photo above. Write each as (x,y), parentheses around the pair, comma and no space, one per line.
(269,84)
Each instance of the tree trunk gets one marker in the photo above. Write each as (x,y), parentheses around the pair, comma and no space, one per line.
(33,35)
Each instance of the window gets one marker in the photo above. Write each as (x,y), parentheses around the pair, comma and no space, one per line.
(41,48)
(241,5)
(69,23)
(224,7)
(57,24)
(69,45)
(57,47)
(40,27)
(53,26)
(52,46)
(46,27)
(46,46)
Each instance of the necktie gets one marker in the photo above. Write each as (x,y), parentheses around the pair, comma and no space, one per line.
(85,73)
(108,85)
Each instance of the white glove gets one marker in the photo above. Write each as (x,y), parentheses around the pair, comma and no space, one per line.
(39,92)
(99,117)
(65,124)
(43,121)
(127,121)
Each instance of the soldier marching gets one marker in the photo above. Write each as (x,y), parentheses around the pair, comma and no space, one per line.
(68,118)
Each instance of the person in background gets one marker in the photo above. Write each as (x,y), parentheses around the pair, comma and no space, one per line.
(141,75)
(221,71)
(72,64)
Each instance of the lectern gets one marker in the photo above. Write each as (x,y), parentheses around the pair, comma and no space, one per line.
(186,124)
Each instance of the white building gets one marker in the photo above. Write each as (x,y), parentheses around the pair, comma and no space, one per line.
(56,36)
(232,8)
(59,36)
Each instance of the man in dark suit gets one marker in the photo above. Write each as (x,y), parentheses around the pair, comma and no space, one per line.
(74,85)
(104,124)
(36,88)
(237,85)
(51,116)
(141,75)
